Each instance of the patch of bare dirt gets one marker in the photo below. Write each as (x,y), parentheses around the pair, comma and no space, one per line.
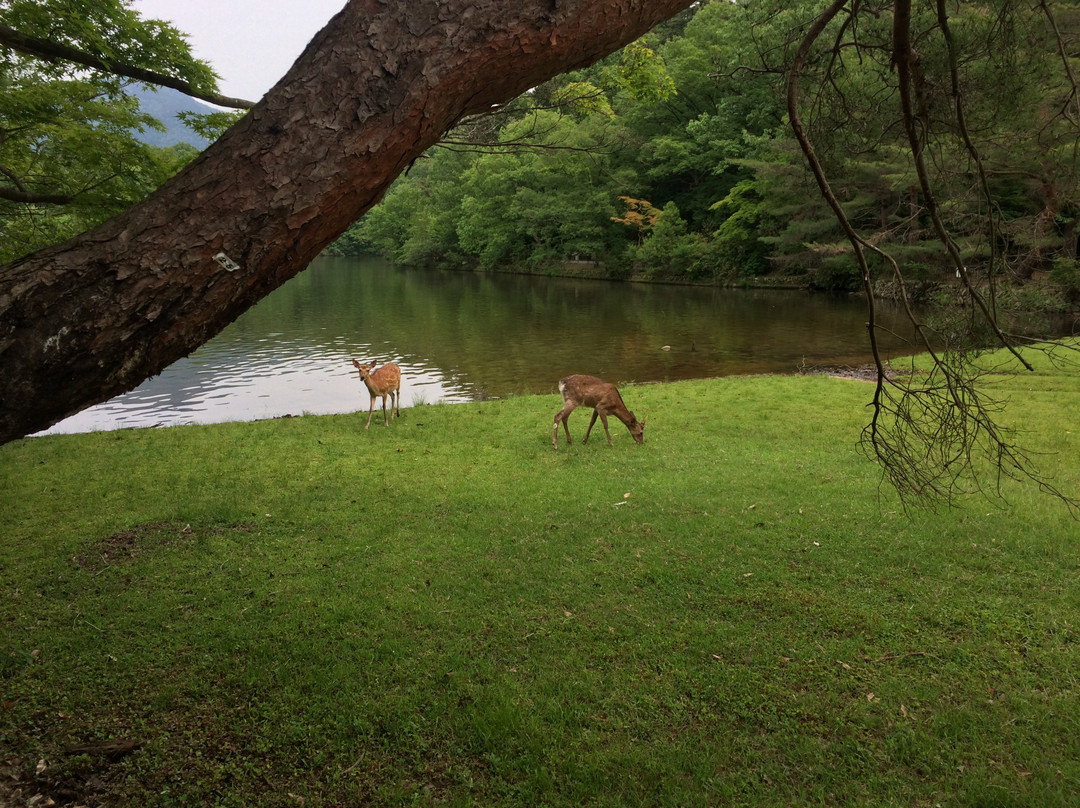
(863,373)
(126,545)
(82,779)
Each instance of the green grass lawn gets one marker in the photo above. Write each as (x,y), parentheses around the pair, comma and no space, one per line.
(448,612)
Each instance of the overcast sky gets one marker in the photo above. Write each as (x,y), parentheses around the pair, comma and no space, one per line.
(249,43)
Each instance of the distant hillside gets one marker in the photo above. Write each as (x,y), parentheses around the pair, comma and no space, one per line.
(165,104)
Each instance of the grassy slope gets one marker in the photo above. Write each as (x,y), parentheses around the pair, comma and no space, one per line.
(447,611)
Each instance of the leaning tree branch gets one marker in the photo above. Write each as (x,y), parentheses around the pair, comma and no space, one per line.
(52,51)
(83,321)
(20,193)
(30,197)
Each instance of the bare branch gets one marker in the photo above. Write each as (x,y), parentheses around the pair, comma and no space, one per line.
(801,54)
(934,433)
(904,59)
(1073,99)
(29,197)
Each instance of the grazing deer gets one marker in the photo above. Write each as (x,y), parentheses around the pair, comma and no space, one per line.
(605,400)
(384,381)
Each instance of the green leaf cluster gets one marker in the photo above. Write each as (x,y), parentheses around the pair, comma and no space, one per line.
(541,186)
(691,121)
(70,149)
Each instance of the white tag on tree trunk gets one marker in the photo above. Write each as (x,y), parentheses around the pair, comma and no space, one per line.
(227,263)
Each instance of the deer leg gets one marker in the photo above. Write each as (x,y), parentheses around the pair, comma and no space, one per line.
(562,415)
(603,420)
(587,431)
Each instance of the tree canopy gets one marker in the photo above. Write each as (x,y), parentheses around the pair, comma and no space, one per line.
(711,135)
(72,151)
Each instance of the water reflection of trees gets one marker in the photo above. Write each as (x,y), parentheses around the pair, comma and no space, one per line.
(460,335)
(517,333)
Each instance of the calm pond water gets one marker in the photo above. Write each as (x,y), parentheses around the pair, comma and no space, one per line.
(460,336)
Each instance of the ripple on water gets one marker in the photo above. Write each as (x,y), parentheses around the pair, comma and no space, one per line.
(459,336)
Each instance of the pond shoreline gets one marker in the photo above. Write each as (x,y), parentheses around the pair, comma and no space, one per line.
(463,336)
(474,335)
(595,271)
(1040,296)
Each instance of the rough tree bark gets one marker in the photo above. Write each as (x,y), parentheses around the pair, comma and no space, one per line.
(91,318)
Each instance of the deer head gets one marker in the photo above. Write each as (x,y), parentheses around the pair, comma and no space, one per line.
(365,370)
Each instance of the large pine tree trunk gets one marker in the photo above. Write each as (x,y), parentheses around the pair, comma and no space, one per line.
(89,319)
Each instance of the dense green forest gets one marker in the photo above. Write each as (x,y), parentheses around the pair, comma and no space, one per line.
(674,159)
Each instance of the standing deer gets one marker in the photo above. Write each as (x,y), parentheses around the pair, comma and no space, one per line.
(384,381)
(605,400)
